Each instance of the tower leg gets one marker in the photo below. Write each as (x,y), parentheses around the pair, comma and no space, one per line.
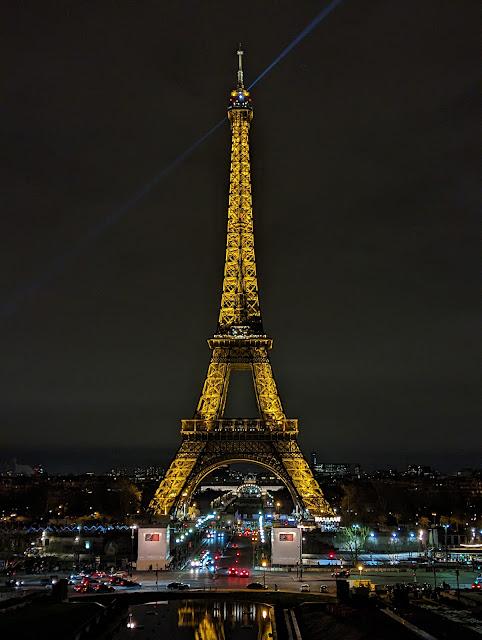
(171,487)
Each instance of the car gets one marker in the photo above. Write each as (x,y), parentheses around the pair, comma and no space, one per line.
(75,576)
(305,587)
(341,574)
(323,588)
(181,586)
(256,585)
(477,586)
(92,582)
(104,587)
(233,571)
(83,587)
(130,584)
(244,573)
(11,582)
(116,579)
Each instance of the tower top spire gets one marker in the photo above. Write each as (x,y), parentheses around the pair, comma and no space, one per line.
(240,53)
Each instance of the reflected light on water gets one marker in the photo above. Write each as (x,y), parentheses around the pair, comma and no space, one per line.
(210,620)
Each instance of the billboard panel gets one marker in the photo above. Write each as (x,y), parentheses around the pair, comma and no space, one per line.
(285,545)
(152,547)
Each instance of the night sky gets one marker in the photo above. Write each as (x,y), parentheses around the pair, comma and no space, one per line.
(364,155)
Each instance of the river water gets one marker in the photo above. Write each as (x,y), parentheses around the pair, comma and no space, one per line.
(199,619)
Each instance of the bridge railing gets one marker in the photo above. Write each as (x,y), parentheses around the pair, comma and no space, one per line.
(240,426)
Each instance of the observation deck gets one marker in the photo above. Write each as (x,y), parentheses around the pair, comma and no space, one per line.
(242,429)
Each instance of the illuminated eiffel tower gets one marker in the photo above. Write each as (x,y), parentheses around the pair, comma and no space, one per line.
(240,343)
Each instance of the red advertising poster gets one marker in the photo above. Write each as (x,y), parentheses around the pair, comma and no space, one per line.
(151,537)
(286,537)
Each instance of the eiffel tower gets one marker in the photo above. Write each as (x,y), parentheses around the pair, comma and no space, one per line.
(240,343)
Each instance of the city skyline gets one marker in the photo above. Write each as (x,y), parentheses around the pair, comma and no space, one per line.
(364,188)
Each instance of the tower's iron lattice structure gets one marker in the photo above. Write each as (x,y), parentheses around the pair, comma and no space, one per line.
(240,343)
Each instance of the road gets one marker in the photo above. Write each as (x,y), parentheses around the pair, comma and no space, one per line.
(238,552)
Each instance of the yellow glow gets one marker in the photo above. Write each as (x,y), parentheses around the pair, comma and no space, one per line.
(238,346)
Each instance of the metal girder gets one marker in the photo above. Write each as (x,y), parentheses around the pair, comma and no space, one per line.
(283,457)
(223,361)
(240,343)
(239,300)
(172,485)
(197,457)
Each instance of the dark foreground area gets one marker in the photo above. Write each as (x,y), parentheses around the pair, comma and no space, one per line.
(232,614)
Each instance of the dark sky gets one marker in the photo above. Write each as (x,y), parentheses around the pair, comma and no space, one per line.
(365,172)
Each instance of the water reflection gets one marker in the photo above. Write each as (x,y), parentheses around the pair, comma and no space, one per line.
(213,620)
(199,619)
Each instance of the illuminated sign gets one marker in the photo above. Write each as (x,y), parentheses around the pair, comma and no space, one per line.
(286,537)
(151,537)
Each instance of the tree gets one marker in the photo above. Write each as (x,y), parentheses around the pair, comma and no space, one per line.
(129,498)
(352,539)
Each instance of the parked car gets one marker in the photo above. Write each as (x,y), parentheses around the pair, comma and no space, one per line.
(305,587)
(181,586)
(256,585)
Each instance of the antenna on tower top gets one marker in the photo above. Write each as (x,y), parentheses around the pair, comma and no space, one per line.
(240,68)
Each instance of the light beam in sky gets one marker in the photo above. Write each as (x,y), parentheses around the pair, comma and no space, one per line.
(95,232)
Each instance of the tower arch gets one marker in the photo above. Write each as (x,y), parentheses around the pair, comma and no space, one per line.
(239,343)
(183,501)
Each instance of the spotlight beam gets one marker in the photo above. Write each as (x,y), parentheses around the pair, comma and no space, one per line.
(94,233)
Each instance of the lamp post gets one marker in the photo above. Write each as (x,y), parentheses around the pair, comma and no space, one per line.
(410,541)
(458,585)
(133,528)
(356,527)
(264,564)
(360,569)
(301,553)
(76,553)
(446,526)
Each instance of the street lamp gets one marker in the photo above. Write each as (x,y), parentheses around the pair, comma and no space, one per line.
(133,528)
(410,541)
(301,551)
(356,527)
(264,564)
(360,569)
